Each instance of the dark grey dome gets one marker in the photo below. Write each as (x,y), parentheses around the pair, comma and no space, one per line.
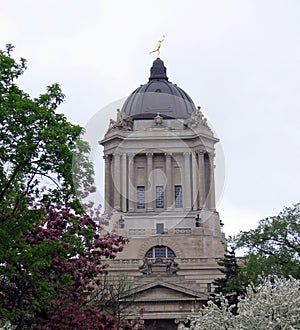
(158,96)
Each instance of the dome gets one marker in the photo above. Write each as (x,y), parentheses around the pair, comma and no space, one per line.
(159,95)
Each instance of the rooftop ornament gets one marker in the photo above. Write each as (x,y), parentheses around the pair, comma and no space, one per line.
(157,49)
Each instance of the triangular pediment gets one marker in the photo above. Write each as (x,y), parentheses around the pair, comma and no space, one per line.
(162,291)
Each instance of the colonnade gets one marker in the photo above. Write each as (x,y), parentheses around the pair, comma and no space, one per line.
(196,179)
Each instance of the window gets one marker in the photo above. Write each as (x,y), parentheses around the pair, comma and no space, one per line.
(208,287)
(178,196)
(160,251)
(160,197)
(121,223)
(140,197)
(160,228)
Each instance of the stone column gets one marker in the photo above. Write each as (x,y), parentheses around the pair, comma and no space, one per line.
(195,181)
(149,183)
(201,178)
(169,184)
(187,181)
(131,184)
(212,197)
(124,182)
(117,182)
(107,184)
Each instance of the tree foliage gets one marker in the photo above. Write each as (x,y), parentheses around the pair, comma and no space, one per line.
(230,284)
(273,247)
(37,144)
(49,274)
(273,304)
(52,254)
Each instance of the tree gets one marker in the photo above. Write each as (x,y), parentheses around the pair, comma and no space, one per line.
(116,297)
(37,145)
(272,304)
(230,284)
(273,247)
(52,254)
(50,273)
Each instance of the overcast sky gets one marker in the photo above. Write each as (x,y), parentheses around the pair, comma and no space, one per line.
(239,60)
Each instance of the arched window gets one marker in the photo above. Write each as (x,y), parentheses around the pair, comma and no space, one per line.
(160,251)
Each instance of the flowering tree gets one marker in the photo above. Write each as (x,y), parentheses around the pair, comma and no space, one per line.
(49,274)
(272,304)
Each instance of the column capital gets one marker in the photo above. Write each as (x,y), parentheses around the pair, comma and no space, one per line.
(107,157)
(168,154)
(149,154)
(200,152)
(187,153)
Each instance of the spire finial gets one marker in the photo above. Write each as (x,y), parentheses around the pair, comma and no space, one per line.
(158,70)
(157,49)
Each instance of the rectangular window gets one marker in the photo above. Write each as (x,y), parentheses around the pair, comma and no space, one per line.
(159,202)
(140,197)
(160,228)
(208,287)
(178,196)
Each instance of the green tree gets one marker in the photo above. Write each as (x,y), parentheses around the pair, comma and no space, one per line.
(230,284)
(51,252)
(37,145)
(273,247)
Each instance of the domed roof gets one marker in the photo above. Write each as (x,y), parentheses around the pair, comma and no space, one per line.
(159,95)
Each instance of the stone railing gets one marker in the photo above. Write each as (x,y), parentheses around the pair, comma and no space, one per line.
(143,232)
(136,232)
(179,260)
(183,231)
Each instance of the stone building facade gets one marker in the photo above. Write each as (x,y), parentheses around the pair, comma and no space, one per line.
(160,194)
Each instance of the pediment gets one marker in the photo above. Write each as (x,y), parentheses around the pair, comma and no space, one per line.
(162,291)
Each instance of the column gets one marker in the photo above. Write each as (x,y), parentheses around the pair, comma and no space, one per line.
(107,184)
(187,181)
(201,178)
(149,183)
(131,184)
(124,182)
(169,200)
(117,182)
(212,197)
(195,181)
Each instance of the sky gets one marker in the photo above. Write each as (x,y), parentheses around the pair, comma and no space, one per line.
(237,59)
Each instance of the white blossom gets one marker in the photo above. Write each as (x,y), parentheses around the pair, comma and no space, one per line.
(274,304)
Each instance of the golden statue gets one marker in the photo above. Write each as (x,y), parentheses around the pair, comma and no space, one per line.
(158,46)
